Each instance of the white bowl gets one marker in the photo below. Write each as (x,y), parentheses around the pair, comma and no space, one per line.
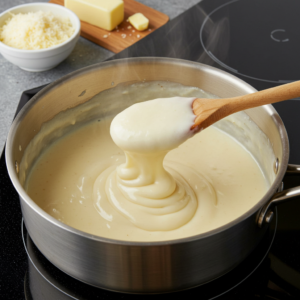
(43,59)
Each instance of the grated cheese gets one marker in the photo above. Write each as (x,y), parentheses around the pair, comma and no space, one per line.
(35,30)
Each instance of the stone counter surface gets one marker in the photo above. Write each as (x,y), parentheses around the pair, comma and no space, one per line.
(13,80)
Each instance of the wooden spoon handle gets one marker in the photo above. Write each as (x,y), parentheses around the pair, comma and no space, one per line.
(272,95)
(209,111)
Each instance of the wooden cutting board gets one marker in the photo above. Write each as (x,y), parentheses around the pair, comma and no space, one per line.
(126,35)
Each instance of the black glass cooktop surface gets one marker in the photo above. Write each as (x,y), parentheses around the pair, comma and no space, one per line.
(259,34)
(256,40)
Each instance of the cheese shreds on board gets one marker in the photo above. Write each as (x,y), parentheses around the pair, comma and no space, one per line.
(35,30)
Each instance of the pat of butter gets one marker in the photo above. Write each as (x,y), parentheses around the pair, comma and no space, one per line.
(139,21)
(106,14)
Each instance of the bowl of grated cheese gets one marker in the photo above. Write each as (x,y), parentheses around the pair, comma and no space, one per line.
(38,36)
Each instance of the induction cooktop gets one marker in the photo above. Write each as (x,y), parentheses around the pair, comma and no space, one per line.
(255,40)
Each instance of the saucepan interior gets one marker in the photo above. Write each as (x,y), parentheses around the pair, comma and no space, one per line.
(81,86)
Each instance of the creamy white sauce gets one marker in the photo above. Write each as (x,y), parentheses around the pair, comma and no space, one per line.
(141,189)
(87,182)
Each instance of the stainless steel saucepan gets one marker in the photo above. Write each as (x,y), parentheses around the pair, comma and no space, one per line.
(145,267)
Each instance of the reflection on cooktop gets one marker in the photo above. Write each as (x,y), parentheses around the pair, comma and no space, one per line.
(262,37)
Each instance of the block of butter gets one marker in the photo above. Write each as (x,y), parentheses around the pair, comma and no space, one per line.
(139,21)
(106,14)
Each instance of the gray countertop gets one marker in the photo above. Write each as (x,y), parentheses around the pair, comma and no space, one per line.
(13,80)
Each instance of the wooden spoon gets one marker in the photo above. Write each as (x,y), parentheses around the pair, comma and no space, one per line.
(209,111)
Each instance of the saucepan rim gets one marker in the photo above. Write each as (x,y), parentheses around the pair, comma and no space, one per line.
(208,69)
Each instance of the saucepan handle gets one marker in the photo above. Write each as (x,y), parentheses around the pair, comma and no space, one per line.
(282,196)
